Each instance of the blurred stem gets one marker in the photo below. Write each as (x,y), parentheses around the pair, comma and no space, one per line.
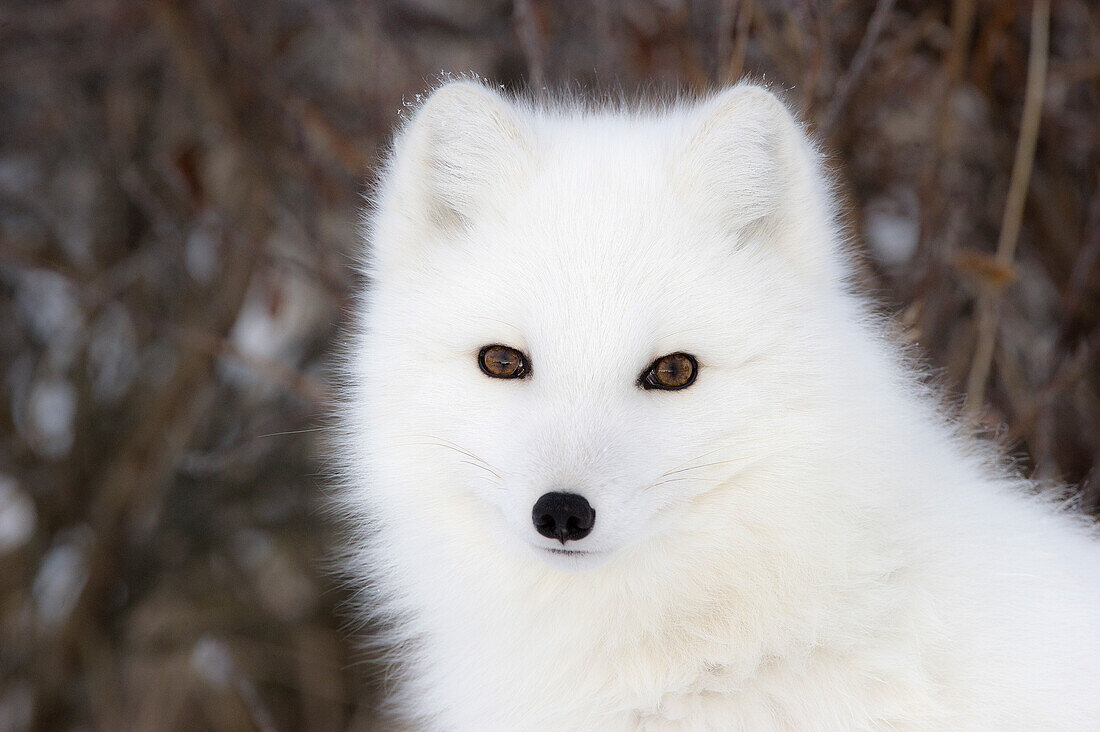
(857,68)
(989,301)
(962,25)
(532,41)
(741,44)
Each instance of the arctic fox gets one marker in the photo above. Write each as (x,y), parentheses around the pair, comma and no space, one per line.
(628,452)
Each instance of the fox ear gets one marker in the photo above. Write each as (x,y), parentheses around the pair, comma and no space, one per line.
(749,164)
(462,145)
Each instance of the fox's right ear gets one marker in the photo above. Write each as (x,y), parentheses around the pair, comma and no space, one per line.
(749,165)
(461,147)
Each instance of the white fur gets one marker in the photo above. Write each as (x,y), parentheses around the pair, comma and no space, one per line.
(799,541)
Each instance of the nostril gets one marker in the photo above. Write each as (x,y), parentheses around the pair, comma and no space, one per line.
(563,516)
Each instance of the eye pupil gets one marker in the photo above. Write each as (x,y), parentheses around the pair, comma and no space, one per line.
(674,371)
(502,362)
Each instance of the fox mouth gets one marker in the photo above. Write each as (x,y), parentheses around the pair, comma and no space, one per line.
(567,552)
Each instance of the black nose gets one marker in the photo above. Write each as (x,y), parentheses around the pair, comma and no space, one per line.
(563,516)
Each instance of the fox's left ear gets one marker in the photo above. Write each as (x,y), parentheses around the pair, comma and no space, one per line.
(747,161)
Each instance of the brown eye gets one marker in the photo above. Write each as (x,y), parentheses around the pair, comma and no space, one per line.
(502,362)
(671,372)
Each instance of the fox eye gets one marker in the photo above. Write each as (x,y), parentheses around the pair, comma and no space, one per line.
(671,372)
(502,362)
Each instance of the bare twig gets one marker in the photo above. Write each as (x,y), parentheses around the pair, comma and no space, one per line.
(932,195)
(727,15)
(962,24)
(858,67)
(532,41)
(291,379)
(1083,265)
(988,305)
(733,39)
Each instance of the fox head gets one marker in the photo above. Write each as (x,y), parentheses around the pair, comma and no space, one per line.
(579,324)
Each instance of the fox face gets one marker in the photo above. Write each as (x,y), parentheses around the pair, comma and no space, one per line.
(576,325)
(624,450)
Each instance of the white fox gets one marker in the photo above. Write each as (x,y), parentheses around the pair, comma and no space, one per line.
(627,451)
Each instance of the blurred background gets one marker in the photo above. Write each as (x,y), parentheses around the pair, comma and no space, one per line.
(180,187)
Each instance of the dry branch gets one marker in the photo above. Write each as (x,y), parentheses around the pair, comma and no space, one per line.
(989,305)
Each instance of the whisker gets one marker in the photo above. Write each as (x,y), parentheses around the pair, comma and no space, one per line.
(497,320)
(681,480)
(449,445)
(753,460)
(459,450)
(475,460)
(483,467)
(710,465)
(697,457)
(292,432)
